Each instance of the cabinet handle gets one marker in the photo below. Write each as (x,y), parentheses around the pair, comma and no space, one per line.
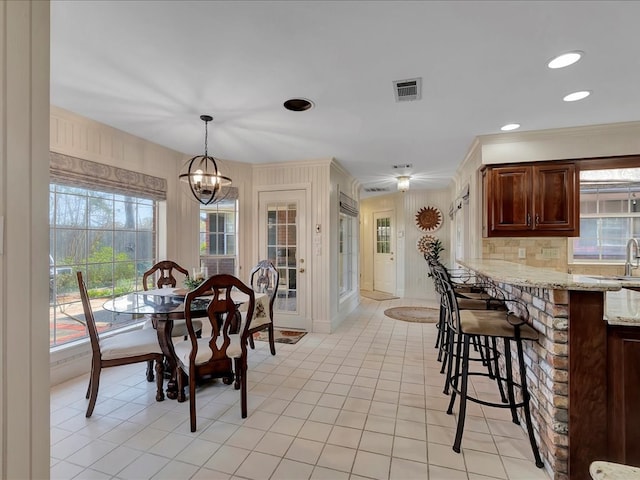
(537,219)
(528,219)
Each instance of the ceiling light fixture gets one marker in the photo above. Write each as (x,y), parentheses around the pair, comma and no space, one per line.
(403,183)
(565,59)
(201,176)
(575,96)
(298,104)
(510,126)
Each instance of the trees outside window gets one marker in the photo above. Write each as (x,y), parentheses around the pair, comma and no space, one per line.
(111,238)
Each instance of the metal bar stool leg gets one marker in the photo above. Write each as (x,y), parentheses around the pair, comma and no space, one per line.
(509,376)
(452,377)
(445,349)
(496,366)
(442,327)
(527,410)
(463,395)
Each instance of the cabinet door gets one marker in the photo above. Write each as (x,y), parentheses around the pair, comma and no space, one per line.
(555,193)
(509,200)
(624,395)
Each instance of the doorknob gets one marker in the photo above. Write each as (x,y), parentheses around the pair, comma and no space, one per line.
(301,270)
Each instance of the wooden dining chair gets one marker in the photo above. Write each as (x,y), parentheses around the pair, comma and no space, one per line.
(264,279)
(120,349)
(211,356)
(159,275)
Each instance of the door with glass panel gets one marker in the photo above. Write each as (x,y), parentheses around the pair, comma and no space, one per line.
(282,240)
(384,267)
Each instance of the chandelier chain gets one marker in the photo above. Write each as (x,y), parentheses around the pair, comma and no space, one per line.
(206,137)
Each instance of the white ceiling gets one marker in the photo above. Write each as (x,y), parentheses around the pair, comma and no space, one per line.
(151,68)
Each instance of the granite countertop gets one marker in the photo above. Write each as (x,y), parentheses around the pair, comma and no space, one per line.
(526,276)
(613,471)
(622,308)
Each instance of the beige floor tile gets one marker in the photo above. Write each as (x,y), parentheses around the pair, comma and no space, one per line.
(484,463)
(303,450)
(345,437)
(376,442)
(523,469)
(441,473)
(337,458)
(402,469)
(444,456)
(322,473)
(291,469)
(227,459)
(258,466)
(410,449)
(315,431)
(371,465)
(409,429)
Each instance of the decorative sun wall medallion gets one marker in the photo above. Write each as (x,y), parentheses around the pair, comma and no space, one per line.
(429,219)
(424,243)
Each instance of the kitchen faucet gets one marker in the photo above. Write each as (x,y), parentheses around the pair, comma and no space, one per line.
(633,242)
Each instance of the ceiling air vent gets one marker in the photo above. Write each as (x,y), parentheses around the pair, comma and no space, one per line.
(376,189)
(408,90)
(402,166)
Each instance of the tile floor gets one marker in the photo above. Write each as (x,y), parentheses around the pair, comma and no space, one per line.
(363,403)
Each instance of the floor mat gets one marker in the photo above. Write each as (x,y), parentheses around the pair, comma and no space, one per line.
(413,314)
(280,336)
(377,295)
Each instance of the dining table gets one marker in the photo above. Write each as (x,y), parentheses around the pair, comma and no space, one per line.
(163,306)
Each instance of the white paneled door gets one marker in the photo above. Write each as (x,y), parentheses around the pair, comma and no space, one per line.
(384,264)
(282,239)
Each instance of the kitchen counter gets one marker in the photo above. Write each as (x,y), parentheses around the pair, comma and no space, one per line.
(613,471)
(622,308)
(568,365)
(526,276)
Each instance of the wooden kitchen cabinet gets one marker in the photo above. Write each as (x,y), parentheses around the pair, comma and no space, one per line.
(623,403)
(530,200)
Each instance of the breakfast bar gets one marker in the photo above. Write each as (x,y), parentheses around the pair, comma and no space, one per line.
(576,406)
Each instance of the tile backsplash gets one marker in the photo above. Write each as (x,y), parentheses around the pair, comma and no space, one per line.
(544,252)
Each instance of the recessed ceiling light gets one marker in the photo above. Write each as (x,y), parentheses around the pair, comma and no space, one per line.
(298,104)
(510,126)
(575,96)
(565,59)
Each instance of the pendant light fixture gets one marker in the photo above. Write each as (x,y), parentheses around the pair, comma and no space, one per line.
(202,179)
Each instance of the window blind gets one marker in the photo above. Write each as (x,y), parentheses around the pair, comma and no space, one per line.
(78,172)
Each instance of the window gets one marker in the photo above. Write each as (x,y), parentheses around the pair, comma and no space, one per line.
(111,238)
(346,258)
(218,236)
(383,235)
(609,214)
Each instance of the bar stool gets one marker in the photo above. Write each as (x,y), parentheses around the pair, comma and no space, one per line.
(510,326)
(486,347)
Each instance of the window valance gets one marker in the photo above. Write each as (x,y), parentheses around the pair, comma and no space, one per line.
(348,205)
(78,172)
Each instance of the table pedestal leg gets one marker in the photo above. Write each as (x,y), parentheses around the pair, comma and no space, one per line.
(164,328)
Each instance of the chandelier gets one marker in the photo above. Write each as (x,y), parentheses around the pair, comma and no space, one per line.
(201,176)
